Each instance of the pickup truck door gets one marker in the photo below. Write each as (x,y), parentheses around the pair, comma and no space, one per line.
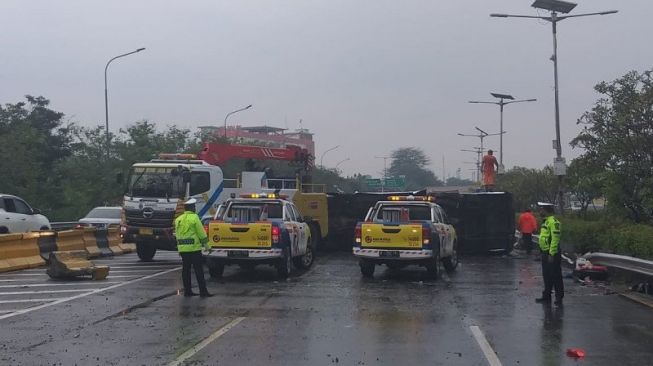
(290,221)
(440,227)
(303,230)
(449,232)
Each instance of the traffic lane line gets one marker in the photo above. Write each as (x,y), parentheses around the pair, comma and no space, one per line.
(44,292)
(201,345)
(488,351)
(80,283)
(97,291)
(30,300)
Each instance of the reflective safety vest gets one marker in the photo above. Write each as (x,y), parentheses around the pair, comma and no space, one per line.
(550,236)
(189,232)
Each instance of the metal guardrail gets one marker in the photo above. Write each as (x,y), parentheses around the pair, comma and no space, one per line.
(631,264)
(60,226)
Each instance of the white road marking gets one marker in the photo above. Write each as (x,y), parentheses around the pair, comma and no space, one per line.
(198,347)
(44,292)
(490,355)
(29,285)
(29,300)
(25,274)
(66,299)
(134,271)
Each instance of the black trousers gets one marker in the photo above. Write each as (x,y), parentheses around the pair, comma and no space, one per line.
(527,242)
(193,259)
(552,273)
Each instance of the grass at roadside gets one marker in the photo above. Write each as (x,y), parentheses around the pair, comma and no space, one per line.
(583,236)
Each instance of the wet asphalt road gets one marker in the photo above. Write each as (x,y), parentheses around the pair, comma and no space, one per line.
(327,315)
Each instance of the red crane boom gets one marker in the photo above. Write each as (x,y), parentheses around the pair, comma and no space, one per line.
(218,154)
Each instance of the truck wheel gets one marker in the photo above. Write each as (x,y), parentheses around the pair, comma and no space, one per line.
(145,252)
(451,262)
(216,268)
(367,268)
(433,267)
(306,260)
(284,265)
(316,234)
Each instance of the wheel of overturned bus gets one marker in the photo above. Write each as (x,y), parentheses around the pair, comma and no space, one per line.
(145,252)
(216,268)
(451,262)
(305,261)
(433,267)
(284,265)
(367,268)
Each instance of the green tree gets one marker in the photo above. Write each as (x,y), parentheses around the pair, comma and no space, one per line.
(34,140)
(617,136)
(585,182)
(528,186)
(413,163)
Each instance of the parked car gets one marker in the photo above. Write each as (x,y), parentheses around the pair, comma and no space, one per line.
(16,216)
(101,217)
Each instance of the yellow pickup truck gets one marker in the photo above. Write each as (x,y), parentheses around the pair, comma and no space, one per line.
(406,230)
(259,229)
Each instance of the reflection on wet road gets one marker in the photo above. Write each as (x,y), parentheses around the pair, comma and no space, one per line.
(330,315)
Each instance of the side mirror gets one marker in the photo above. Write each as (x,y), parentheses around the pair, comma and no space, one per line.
(119,178)
(36,211)
(185,175)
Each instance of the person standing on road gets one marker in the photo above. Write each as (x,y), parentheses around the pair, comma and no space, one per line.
(551,258)
(191,238)
(489,167)
(527,226)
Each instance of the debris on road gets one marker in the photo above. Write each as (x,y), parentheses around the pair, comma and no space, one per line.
(585,268)
(575,352)
(74,263)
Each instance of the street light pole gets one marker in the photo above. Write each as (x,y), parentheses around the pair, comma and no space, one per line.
(324,153)
(556,7)
(340,162)
(106,96)
(385,170)
(229,114)
(501,103)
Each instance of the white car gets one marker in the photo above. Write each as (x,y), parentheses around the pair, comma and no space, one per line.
(101,217)
(16,216)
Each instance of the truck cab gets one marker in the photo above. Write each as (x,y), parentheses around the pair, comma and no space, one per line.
(406,230)
(257,229)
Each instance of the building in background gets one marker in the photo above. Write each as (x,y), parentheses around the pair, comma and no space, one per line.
(265,136)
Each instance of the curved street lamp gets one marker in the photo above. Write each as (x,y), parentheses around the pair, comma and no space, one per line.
(106,94)
(229,114)
(340,162)
(324,153)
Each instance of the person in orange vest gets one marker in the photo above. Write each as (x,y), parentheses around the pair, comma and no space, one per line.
(527,225)
(489,167)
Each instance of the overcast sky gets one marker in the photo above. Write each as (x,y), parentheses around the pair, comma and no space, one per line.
(370,76)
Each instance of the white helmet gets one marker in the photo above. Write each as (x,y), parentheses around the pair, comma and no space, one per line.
(191,201)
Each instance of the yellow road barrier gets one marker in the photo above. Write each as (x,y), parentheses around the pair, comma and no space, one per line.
(91,243)
(74,263)
(19,251)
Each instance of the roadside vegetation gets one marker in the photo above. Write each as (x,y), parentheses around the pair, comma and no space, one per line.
(616,165)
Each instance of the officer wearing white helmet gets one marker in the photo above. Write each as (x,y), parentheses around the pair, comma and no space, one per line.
(551,258)
(191,238)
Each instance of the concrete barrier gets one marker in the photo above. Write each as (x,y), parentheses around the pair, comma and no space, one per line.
(74,263)
(101,237)
(19,251)
(47,243)
(91,243)
(114,240)
(127,247)
(70,240)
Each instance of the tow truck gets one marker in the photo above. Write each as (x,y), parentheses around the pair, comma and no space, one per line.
(156,190)
(406,230)
(256,229)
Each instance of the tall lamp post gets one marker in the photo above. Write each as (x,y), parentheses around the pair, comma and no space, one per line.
(340,162)
(482,135)
(385,170)
(229,114)
(106,95)
(556,7)
(324,153)
(502,102)
(478,151)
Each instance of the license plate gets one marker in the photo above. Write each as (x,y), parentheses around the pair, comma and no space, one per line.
(389,254)
(237,254)
(146,231)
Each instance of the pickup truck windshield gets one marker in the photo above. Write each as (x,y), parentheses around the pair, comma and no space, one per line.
(252,212)
(403,213)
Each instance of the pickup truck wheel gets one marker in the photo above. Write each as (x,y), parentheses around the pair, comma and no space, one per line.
(367,268)
(145,252)
(216,268)
(451,262)
(433,267)
(284,266)
(306,260)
